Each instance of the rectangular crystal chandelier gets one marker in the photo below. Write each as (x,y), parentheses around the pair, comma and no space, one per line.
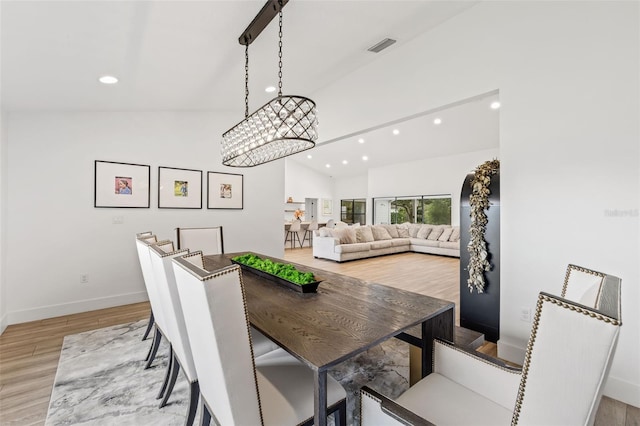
(283,126)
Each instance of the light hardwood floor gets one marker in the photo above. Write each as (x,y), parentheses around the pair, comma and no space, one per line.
(29,352)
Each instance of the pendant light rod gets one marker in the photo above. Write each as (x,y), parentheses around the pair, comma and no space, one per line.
(260,22)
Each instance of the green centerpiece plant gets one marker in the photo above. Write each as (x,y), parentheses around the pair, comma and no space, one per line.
(282,270)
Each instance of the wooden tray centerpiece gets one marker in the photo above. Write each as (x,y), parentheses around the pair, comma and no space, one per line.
(280,273)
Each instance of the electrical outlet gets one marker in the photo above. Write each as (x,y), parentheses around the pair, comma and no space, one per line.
(84,279)
(117,220)
(525,314)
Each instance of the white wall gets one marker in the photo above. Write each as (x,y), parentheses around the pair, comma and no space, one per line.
(50,179)
(568,76)
(3,227)
(302,182)
(432,176)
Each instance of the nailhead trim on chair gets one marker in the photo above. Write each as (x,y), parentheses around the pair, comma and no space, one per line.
(534,331)
(572,267)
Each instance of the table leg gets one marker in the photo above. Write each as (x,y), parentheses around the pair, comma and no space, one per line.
(440,326)
(320,398)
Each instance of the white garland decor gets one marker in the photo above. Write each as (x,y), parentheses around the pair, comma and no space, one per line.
(479,202)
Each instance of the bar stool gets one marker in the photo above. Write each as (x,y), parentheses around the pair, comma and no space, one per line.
(308,233)
(293,234)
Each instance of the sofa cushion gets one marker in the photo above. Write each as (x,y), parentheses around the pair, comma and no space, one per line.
(446,233)
(380,233)
(381,244)
(345,235)
(423,242)
(424,231)
(352,248)
(399,242)
(435,233)
(455,235)
(392,230)
(364,234)
(450,244)
(403,231)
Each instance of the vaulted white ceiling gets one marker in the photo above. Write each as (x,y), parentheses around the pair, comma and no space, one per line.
(185,56)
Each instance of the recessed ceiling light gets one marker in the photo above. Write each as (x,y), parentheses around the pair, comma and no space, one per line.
(309,156)
(495,105)
(437,121)
(365,158)
(345,162)
(108,79)
(396,131)
(270,89)
(327,165)
(361,140)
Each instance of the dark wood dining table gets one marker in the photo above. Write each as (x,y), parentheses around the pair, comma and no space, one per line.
(346,316)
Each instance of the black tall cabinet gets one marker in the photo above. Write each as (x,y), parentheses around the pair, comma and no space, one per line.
(481,311)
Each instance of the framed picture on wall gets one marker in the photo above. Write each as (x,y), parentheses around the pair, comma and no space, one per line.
(224,190)
(179,188)
(327,207)
(121,185)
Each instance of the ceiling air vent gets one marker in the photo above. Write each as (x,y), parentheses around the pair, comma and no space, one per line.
(381,45)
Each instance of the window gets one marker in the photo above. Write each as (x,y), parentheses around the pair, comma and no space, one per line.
(432,209)
(353,211)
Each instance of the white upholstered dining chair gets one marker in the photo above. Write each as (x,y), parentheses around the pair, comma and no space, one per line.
(207,240)
(566,365)
(159,321)
(234,389)
(180,355)
(149,237)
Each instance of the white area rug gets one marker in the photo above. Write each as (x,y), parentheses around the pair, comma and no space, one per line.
(101,379)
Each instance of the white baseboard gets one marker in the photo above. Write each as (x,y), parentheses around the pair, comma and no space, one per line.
(51,311)
(4,322)
(615,388)
(512,349)
(619,389)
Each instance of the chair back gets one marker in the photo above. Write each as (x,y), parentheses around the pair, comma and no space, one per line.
(142,245)
(582,285)
(592,288)
(162,255)
(313,226)
(331,223)
(207,240)
(295,226)
(218,329)
(567,361)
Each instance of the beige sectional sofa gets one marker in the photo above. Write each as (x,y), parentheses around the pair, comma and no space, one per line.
(359,242)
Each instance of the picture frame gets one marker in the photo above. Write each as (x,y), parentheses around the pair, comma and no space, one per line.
(327,207)
(225,190)
(121,185)
(179,188)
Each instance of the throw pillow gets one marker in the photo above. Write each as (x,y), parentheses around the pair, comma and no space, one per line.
(446,234)
(392,230)
(413,230)
(403,232)
(380,233)
(325,232)
(455,235)
(364,234)
(345,235)
(424,231)
(435,233)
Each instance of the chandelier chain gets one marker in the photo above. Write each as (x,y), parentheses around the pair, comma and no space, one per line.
(246,80)
(280,52)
